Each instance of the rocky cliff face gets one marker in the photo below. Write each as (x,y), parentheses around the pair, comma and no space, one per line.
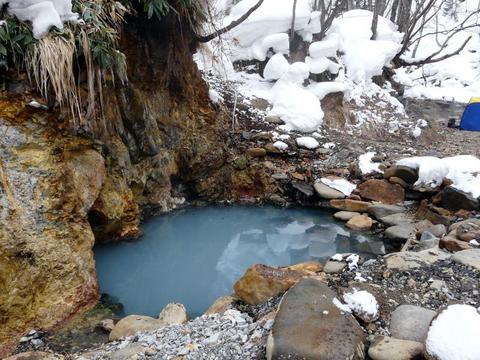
(159,140)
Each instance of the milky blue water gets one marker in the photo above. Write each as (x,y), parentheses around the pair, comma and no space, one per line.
(195,255)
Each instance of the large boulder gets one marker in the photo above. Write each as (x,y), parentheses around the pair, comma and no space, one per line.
(261,282)
(400,233)
(408,175)
(382,191)
(310,326)
(454,199)
(360,222)
(326,192)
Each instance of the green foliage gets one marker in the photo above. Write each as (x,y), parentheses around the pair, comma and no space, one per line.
(16,39)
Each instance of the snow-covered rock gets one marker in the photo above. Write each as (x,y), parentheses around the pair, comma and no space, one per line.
(453,335)
(276,67)
(307,142)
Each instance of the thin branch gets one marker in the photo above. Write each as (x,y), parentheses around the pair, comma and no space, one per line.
(232,25)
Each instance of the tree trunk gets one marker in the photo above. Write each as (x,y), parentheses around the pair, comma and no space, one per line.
(292,30)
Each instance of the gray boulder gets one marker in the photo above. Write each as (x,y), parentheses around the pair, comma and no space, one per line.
(469,257)
(411,322)
(401,232)
(379,211)
(309,326)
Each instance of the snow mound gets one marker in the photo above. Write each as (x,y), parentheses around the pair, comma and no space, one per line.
(453,335)
(276,67)
(307,142)
(318,66)
(280,145)
(366,165)
(342,185)
(362,304)
(325,48)
(43,14)
(268,19)
(462,170)
(364,58)
(322,89)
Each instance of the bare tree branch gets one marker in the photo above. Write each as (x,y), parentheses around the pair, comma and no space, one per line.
(232,25)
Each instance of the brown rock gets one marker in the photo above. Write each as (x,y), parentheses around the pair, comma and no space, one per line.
(260,283)
(382,191)
(410,176)
(306,267)
(133,324)
(256,152)
(220,305)
(425,213)
(35,355)
(345,215)
(453,245)
(469,231)
(360,222)
(396,180)
(350,205)
(386,348)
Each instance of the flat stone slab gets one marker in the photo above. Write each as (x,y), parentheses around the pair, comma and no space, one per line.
(309,326)
(468,257)
(407,260)
(396,219)
(401,232)
(379,211)
(326,192)
(345,215)
(411,322)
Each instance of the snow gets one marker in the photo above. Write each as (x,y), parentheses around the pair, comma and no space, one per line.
(342,307)
(318,66)
(307,142)
(214,96)
(462,170)
(43,14)
(352,261)
(325,48)
(453,335)
(361,302)
(363,57)
(337,257)
(342,185)
(322,89)
(268,19)
(276,67)
(280,145)
(366,165)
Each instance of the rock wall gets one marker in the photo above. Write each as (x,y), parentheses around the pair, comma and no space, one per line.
(158,140)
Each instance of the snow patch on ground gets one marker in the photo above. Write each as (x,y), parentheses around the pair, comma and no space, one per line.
(342,185)
(366,165)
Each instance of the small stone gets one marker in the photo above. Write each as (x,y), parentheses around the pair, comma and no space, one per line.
(396,180)
(256,152)
(379,211)
(387,348)
(173,314)
(409,175)
(360,222)
(106,325)
(345,215)
(37,342)
(411,322)
(400,233)
(396,219)
(350,205)
(280,176)
(305,189)
(334,267)
(452,244)
(469,257)
(274,120)
(326,192)
(438,285)
(262,136)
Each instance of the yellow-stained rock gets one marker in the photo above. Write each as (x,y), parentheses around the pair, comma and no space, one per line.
(261,282)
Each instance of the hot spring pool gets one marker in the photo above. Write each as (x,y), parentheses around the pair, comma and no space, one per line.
(195,256)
